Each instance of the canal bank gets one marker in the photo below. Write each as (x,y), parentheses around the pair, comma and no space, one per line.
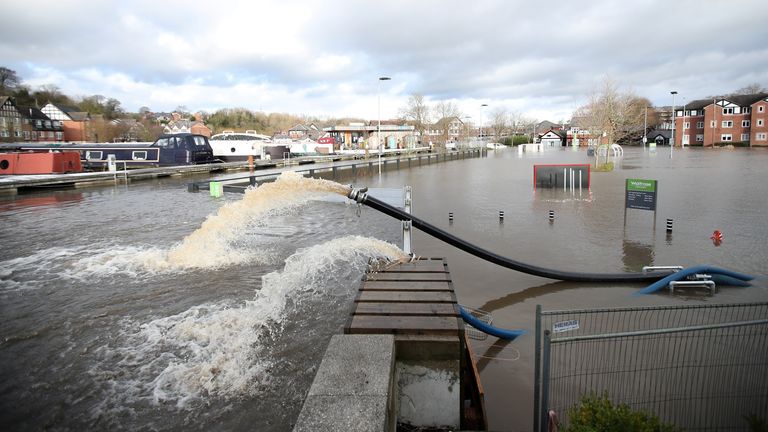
(127,338)
(266,169)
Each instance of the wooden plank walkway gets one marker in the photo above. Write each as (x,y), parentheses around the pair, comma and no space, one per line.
(412,299)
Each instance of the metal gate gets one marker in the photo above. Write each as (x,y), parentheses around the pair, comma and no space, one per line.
(702,367)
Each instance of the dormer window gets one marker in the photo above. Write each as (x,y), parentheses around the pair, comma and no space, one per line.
(727,110)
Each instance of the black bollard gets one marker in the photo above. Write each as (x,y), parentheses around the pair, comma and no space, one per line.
(551,216)
(501,215)
(669,226)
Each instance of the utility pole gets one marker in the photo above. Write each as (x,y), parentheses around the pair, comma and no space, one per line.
(378,129)
(645,128)
(672,139)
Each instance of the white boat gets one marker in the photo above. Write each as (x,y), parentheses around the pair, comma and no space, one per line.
(231,146)
(495,146)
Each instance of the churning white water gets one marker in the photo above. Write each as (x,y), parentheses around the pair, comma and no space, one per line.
(219,350)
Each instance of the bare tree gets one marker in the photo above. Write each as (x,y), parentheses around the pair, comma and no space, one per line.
(499,122)
(612,113)
(446,112)
(9,81)
(416,112)
(751,89)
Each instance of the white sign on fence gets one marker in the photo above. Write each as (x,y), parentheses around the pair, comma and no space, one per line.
(564,326)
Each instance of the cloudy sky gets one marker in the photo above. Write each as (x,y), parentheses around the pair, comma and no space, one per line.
(540,58)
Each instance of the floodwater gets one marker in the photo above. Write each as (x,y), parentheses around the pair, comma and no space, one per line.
(122,308)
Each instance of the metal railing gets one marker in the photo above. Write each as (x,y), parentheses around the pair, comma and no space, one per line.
(701,367)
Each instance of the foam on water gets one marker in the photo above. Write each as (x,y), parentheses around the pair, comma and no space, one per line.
(213,245)
(210,245)
(219,350)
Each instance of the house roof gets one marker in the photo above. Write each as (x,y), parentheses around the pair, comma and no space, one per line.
(559,132)
(32,113)
(744,100)
(299,127)
(698,104)
(666,133)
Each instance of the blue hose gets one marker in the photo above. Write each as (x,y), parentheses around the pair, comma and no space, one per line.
(489,329)
(682,274)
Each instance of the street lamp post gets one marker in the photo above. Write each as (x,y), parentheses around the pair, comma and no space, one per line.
(645,128)
(672,139)
(378,129)
(467,129)
(481,121)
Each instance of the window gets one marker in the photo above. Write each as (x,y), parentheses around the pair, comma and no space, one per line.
(17,133)
(699,137)
(727,123)
(727,110)
(687,125)
(26,135)
(4,133)
(761,108)
(692,112)
(38,124)
(726,137)
(93,155)
(745,137)
(47,124)
(759,122)
(34,136)
(762,136)
(746,110)
(745,123)
(700,125)
(686,139)
(59,136)
(162,142)
(139,155)
(712,124)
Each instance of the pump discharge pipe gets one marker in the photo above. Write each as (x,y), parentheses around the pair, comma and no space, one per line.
(361,196)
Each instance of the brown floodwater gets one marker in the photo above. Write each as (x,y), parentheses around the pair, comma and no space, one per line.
(98,331)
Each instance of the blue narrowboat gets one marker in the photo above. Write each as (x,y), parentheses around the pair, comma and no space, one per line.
(168,150)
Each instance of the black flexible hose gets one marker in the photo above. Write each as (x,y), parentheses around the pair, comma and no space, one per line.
(481,253)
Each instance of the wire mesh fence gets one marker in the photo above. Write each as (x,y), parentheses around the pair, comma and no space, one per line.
(702,367)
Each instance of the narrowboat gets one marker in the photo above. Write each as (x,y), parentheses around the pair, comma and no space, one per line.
(168,150)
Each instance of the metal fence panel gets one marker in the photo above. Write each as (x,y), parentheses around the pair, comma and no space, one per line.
(700,367)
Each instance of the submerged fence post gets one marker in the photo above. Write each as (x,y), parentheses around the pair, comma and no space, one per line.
(544,405)
(537,371)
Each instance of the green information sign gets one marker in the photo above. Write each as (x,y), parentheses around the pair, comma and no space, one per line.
(641,194)
(641,185)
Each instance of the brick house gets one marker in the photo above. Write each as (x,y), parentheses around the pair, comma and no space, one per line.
(447,129)
(186,126)
(10,121)
(737,119)
(39,127)
(74,123)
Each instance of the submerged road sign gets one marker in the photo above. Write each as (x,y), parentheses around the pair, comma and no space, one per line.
(641,194)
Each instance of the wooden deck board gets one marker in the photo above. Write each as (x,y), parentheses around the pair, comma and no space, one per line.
(408,276)
(406,296)
(432,266)
(436,309)
(410,286)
